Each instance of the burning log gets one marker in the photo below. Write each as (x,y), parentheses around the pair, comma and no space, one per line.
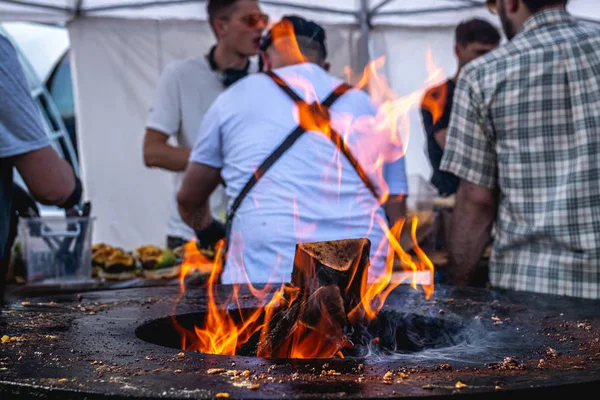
(324,311)
(327,281)
(342,263)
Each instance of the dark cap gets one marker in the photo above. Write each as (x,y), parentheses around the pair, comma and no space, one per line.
(302,27)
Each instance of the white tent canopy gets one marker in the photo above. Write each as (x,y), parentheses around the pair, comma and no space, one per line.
(397,12)
(341,11)
(119,48)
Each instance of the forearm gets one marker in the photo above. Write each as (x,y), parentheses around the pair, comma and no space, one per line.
(64,180)
(196,216)
(472,222)
(199,182)
(49,178)
(167,157)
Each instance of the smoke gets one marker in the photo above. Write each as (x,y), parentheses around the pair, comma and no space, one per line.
(457,326)
(429,332)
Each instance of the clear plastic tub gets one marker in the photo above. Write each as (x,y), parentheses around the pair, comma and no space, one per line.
(57,250)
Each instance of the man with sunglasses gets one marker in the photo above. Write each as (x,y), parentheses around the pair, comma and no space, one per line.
(523,139)
(187,88)
(302,155)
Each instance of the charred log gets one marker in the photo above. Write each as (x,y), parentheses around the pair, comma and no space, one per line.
(327,282)
(341,263)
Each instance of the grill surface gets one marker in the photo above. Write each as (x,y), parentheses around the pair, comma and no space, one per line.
(105,345)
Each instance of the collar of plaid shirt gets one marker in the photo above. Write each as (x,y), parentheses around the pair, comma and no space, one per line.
(545,17)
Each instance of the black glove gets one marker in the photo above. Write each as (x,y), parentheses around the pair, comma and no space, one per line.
(207,239)
(24,206)
(75,196)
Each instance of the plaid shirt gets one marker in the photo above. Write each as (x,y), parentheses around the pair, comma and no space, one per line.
(526,121)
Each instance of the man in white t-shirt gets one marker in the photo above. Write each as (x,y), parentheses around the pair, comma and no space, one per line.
(311,192)
(187,88)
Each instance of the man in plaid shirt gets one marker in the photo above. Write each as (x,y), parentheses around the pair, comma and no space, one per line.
(524,139)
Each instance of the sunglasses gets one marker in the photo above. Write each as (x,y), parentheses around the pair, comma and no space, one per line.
(255,20)
(491,5)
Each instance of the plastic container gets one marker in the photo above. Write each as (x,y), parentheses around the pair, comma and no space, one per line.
(57,250)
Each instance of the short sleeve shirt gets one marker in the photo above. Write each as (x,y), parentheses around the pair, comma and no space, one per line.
(525,123)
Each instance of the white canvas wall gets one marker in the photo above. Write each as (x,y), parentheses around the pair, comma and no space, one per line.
(115,69)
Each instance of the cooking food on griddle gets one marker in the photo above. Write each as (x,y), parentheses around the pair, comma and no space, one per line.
(119,266)
(100,246)
(148,251)
(161,264)
(100,253)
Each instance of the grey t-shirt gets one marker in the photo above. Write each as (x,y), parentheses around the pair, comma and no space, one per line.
(20,127)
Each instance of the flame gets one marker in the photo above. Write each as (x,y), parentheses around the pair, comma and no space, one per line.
(193,260)
(221,332)
(435,98)
(286,43)
(318,328)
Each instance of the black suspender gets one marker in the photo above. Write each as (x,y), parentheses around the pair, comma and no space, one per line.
(335,137)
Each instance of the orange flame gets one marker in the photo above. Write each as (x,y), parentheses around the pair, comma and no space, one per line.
(435,98)
(225,332)
(285,42)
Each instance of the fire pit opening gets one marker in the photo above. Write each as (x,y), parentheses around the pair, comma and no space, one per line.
(392,332)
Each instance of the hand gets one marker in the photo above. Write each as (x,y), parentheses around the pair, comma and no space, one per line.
(207,239)
(72,212)
(74,197)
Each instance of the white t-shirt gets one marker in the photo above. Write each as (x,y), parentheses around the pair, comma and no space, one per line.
(185,91)
(301,198)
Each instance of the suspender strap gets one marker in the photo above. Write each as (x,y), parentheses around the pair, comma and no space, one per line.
(335,137)
(328,102)
(268,163)
(283,86)
(293,137)
(336,94)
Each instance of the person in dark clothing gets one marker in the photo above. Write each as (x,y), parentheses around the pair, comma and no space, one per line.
(23,206)
(473,38)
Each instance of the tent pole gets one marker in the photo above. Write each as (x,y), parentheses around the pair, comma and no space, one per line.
(588,20)
(36,5)
(466,6)
(365,29)
(379,6)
